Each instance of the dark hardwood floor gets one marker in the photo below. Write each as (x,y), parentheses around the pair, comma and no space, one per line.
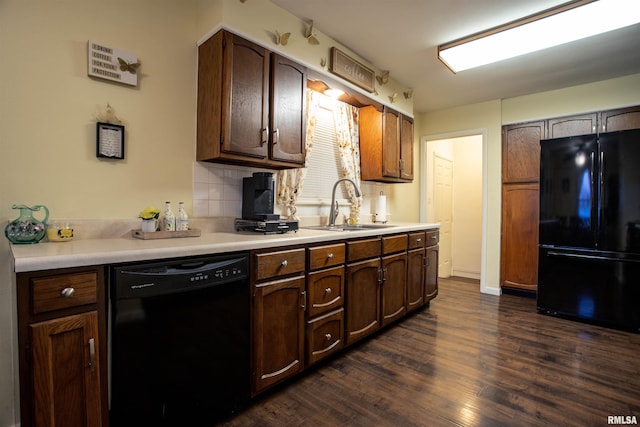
(467,360)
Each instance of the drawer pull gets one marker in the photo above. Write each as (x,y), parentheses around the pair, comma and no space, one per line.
(328,337)
(92,354)
(68,292)
(418,240)
(330,255)
(327,291)
(284,263)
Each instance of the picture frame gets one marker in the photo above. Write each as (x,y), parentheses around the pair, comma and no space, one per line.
(352,71)
(109,140)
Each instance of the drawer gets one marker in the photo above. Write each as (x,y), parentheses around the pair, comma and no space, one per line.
(416,240)
(391,244)
(326,256)
(325,291)
(325,336)
(432,238)
(281,263)
(65,291)
(363,249)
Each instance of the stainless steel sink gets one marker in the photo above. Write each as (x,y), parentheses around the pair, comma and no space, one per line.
(348,227)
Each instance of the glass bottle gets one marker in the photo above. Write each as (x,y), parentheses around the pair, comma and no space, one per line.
(169,220)
(182,219)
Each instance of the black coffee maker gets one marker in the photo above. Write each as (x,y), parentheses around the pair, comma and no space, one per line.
(258,196)
(257,207)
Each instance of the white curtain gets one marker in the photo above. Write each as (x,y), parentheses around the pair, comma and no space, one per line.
(347,133)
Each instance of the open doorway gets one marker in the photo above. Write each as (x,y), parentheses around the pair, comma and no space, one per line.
(453,196)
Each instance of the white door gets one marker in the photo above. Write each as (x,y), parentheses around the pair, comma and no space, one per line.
(443,205)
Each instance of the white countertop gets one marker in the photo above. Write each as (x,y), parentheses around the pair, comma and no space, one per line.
(77,253)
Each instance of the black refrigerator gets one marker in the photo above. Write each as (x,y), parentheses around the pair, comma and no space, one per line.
(589,242)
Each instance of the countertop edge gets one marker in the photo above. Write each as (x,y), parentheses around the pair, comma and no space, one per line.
(82,253)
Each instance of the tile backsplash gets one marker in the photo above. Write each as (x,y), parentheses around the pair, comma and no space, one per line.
(217,189)
(217,192)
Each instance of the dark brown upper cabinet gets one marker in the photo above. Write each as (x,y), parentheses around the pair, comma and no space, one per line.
(561,127)
(521,152)
(251,105)
(386,145)
(621,119)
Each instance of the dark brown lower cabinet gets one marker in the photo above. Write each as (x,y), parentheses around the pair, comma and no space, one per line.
(62,347)
(394,288)
(520,216)
(66,371)
(431,274)
(416,271)
(278,331)
(362,299)
(325,335)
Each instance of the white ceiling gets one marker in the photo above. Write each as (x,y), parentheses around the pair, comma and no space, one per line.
(402,36)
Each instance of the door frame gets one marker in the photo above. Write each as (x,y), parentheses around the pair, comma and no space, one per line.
(424,176)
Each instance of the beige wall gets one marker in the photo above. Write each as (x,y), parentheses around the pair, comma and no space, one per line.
(48,108)
(598,96)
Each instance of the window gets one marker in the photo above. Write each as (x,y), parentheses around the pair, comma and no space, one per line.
(323,168)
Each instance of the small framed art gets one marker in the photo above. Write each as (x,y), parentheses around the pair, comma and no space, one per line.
(109,140)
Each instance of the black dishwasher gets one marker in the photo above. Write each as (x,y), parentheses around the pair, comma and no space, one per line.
(179,341)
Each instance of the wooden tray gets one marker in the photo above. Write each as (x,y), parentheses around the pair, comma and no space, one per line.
(139,234)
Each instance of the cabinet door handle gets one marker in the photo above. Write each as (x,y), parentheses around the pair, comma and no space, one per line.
(92,355)
(265,136)
(68,292)
(384,275)
(380,275)
(284,263)
(276,136)
(327,291)
(304,300)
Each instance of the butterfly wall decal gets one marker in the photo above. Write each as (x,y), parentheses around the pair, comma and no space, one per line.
(384,78)
(282,39)
(408,94)
(131,67)
(311,35)
(393,97)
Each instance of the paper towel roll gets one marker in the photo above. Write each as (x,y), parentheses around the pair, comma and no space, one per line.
(381,215)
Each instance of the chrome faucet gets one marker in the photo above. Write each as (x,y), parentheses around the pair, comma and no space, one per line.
(334,205)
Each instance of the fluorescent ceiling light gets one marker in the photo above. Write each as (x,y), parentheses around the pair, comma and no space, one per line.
(563,24)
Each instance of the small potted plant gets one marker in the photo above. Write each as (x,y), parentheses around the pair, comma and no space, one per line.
(149,218)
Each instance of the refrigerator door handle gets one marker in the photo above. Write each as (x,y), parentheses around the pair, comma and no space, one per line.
(590,257)
(594,198)
(600,198)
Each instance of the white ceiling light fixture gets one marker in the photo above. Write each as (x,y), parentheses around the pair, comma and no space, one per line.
(563,24)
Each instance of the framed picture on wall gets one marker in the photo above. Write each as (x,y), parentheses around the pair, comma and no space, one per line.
(109,140)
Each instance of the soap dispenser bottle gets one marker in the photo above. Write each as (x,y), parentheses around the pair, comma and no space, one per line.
(169,220)
(182,219)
